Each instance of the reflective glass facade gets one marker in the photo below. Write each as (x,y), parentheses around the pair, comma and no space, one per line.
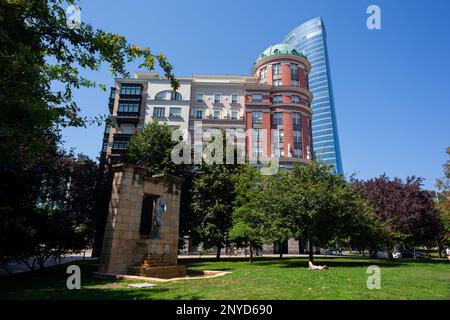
(310,39)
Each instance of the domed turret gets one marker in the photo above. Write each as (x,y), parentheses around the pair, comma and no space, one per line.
(280,48)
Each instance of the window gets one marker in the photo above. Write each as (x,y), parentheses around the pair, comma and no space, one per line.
(120,145)
(280,136)
(105,146)
(256,152)
(120,142)
(217,98)
(112,95)
(297,152)
(234,98)
(175,112)
(278,118)
(216,114)
(276,82)
(199,97)
(263,73)
(256,97)
(297,136)
(198,114)
(256,136)
(127,129)
(159,112)
(296,119)
(295,99)
(276,69)
(234,115)
(294,83)
(277,98)
(168,95)
(130,89)
(257,117)
(128,107)
(294,71)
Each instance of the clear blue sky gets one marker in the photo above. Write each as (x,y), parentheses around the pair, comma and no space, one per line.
(391,86)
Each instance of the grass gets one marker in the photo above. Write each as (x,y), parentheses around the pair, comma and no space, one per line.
(267,278)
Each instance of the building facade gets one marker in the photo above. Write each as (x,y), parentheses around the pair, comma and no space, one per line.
(310,39)
(271,107)
(277,106)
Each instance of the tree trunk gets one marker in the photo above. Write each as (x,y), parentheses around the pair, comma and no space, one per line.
(310,251)
(439,248)
(251,253)
(219,248)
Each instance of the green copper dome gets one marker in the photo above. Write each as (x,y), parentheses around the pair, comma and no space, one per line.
(280,48)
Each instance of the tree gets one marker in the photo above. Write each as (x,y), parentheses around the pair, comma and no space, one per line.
(40,51)
(247,229)
(56,212)
(404,207)
(315,204)
(273,206)
(42,60)
(152,147)
(213,193)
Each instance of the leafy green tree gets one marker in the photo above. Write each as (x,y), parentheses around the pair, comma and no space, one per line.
(248,222)
(43,59)
(152,147)
(272,204)
(41,52)
(213,195)
(315,204)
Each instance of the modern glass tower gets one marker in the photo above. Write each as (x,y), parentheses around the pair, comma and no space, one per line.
(310,39)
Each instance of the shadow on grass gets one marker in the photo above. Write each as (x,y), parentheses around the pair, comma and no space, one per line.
(50,283)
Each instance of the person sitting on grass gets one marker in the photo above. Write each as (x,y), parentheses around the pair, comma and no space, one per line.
(311,266)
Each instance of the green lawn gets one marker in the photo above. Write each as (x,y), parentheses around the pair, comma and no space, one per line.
(265,279)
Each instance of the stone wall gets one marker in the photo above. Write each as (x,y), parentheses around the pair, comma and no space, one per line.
(123,246)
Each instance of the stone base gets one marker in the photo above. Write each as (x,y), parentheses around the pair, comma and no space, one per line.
(165,272)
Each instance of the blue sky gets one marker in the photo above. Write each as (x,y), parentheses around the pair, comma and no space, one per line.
(391,86)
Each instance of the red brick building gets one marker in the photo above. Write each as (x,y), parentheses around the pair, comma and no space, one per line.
(278,106)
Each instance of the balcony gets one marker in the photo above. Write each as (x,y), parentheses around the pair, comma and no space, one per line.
(127,117)
(175,117)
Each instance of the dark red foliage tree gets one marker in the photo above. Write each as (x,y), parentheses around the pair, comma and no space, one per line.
(407,209)
(47,207)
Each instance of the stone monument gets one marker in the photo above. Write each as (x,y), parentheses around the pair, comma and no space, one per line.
(141,233)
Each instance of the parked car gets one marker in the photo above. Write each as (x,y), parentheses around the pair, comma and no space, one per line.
(405,253)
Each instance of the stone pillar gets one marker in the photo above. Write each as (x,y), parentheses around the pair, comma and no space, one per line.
(123,245)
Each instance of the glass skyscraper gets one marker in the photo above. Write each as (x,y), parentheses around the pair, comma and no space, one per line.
(310,39)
